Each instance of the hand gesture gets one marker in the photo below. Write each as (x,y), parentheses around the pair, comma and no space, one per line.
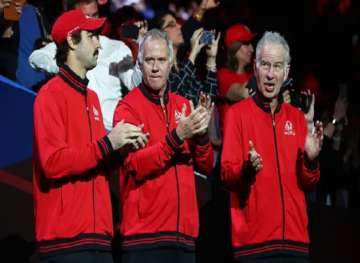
(196,123)
(255,158)
(196,46)
(125,134)
(313,141)
(309,116)
(5,3)
(143,28)
(208,4)
(212,50)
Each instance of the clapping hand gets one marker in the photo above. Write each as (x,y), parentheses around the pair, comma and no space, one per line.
(314,140)
(255,158)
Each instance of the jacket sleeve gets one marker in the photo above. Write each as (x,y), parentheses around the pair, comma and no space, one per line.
(203,154)
(149,161)
(44,59)
(57,158)
(232,161)
(309,171)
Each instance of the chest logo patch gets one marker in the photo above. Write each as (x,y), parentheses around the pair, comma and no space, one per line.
(289,129)
(96,114)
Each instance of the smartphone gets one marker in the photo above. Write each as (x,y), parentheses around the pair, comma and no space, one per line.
(10,12)
(207,37)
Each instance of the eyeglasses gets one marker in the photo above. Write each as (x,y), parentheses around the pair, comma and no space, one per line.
(277,66)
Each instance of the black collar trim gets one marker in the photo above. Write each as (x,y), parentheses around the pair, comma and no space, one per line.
(73,80)
(263,104)
(152,96)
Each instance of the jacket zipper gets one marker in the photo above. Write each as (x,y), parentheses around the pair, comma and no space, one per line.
(92,179)
(164,110)
(280,181)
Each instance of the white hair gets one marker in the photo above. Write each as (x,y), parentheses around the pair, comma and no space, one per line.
(155,34)
(272,38)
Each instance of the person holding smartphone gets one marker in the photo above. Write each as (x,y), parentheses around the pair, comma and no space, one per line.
(182,76)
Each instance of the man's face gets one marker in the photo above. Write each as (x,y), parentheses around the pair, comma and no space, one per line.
(89,8)
(173,29)
(87,50)
(272,71)
(156,65)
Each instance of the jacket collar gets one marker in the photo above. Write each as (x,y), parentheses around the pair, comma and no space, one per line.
(261,102)
(72,79)
(152,96)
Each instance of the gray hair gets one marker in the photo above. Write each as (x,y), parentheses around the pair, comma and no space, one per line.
(155,34)
(272,38)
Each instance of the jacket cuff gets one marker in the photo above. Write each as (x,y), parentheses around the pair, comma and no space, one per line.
(311,165)
(202,140)
(105,146)
(173,140)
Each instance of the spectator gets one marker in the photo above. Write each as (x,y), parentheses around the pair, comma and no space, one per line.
(157,184)
(182,78)
(234,78)
(269,159)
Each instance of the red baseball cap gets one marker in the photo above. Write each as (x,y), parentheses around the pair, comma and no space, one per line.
(239,33)
(71,21)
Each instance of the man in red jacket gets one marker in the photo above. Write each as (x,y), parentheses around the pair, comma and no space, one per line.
(269,159)
(157,183)
(73,217)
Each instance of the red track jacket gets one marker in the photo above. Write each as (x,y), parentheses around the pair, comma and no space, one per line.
(71,192)
(268,212)
(157,183)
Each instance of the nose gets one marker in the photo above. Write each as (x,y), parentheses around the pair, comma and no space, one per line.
(155,66)
(270,72)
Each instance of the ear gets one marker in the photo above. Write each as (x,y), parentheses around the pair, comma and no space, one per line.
(255,68)
(287,70)
(70,42)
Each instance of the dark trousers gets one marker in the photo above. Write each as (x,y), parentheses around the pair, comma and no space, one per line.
(81,257)
(160,255)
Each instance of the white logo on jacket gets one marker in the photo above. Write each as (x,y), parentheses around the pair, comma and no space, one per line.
(289,128)
(96,114)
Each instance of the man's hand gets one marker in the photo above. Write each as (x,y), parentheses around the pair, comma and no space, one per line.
(5,3)
(314,140)
(255,158)
(125,134)
(197,122)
